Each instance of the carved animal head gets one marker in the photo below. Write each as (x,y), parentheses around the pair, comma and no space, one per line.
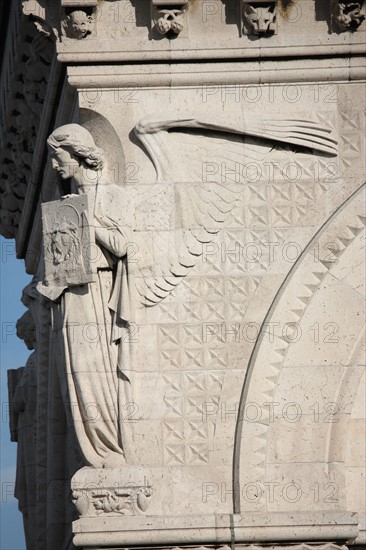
(348,16)
(259,18)
(78,24)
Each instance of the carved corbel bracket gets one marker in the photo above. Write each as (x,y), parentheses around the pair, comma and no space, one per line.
(259,17)
(346,15)
(78,18)
(168,17)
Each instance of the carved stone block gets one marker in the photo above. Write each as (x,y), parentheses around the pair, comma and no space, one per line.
(259,18)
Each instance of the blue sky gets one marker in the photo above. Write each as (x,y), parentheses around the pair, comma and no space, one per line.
(13,354)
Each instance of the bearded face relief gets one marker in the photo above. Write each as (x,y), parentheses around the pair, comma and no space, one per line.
(65,245)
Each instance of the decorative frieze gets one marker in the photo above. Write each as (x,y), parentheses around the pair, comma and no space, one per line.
(125,491)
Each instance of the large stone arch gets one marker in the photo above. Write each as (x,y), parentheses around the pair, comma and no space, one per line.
(301,400)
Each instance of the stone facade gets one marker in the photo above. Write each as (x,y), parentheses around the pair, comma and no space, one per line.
(185,180)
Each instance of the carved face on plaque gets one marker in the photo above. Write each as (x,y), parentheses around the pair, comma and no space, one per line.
(65,244)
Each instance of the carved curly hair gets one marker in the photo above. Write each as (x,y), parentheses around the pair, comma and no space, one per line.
(79,142)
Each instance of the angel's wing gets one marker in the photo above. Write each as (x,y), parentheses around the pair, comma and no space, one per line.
(202,211)
(309,134)
(208,164)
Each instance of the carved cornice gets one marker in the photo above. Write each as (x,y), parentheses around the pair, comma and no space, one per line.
(208,75)
(251,530)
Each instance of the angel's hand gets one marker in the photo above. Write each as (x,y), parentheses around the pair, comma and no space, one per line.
(112,239)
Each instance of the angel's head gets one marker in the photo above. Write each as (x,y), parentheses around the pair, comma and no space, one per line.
(75,155)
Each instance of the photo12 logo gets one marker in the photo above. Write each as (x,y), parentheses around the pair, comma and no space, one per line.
(272,492)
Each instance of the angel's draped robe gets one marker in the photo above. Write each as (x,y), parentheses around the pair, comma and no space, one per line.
(92,340)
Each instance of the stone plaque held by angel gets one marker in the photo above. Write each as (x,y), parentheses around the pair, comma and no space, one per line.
(68,241)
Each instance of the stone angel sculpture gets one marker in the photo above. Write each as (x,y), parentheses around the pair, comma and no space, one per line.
(90,320)
(95,370)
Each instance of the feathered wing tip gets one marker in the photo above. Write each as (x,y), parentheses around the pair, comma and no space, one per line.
(304,133)
(301,132)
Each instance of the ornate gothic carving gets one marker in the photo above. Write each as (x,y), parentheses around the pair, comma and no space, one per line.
(259,18)
(25,91)
(346,15)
